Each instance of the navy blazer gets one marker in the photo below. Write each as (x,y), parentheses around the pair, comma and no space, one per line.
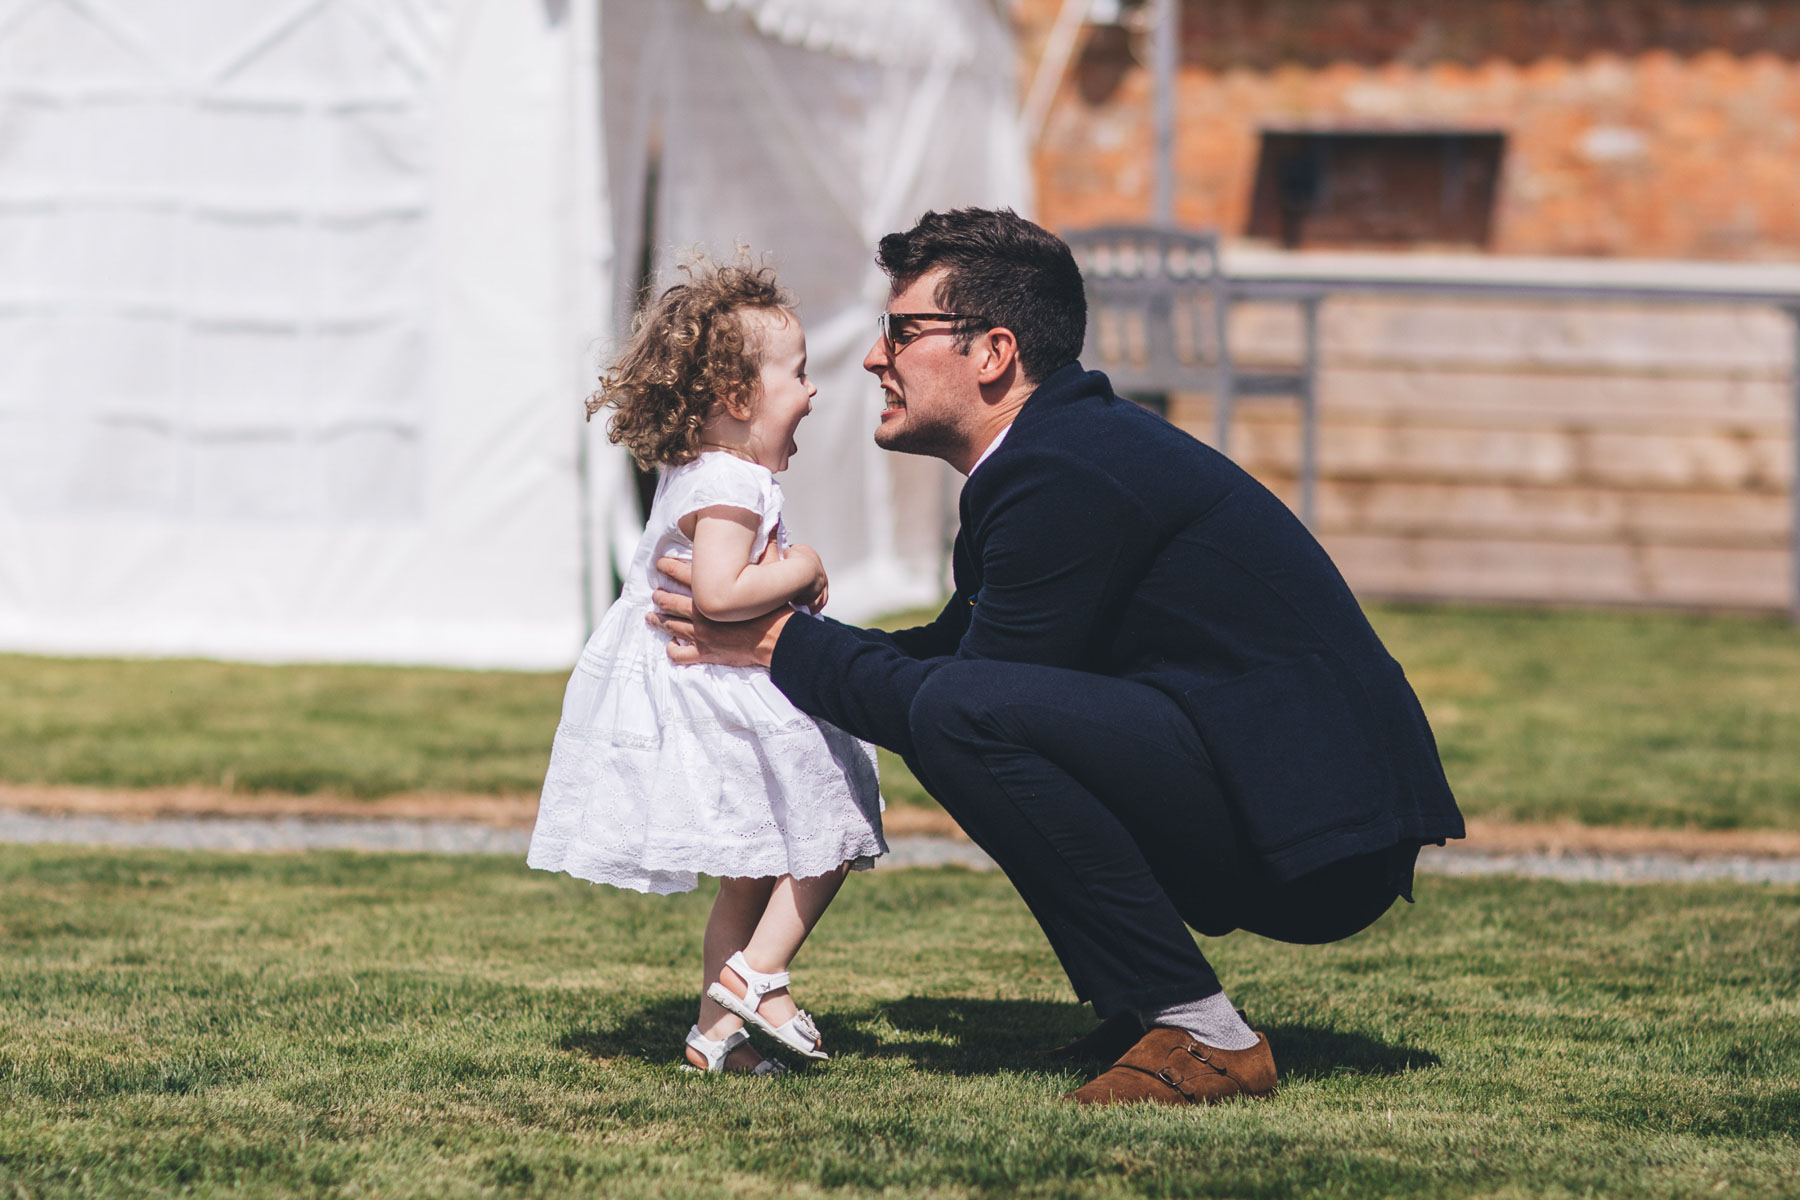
(1101,538)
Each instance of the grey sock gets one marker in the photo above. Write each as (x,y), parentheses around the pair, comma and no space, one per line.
(1212,1020)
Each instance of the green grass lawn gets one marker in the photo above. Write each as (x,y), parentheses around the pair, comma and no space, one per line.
(1638,718)
(341,1025)
(1610,718)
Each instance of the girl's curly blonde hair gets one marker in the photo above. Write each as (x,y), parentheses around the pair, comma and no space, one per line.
(687,352)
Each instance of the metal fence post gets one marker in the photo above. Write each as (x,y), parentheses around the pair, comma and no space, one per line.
(1309,413)
(1794,482)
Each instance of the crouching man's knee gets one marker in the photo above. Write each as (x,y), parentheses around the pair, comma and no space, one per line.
(948,711)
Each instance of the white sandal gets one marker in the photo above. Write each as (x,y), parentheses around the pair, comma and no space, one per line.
(714,1052)
(799,1033)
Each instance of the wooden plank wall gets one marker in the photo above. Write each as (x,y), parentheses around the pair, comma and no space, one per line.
(1536,452)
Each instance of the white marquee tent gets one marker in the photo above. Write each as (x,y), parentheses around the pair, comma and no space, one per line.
(299,299)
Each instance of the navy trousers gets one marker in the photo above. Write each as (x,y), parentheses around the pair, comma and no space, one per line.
(1096,797)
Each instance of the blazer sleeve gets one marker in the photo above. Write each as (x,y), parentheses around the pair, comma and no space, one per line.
(935,639)
(940,637)
(1059,546)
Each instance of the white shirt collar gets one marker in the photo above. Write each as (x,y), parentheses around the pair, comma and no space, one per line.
(992,446)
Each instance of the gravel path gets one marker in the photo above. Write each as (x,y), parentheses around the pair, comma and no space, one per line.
(463,837)
(1612,868)
(306,833)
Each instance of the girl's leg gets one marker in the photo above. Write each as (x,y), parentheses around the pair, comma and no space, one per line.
(735,914)
(794,907)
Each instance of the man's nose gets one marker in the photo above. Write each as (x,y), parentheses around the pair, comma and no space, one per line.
(876,358)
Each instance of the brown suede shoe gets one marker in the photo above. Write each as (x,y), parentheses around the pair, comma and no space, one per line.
(1169,1066)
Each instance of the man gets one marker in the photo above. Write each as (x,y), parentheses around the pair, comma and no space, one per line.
(1152,699)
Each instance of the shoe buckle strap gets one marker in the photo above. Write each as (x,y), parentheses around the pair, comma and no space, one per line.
(1177,1082)
(1180,1081)
(1192,1050)
(714,1052)
(756,983)
(1161,1075)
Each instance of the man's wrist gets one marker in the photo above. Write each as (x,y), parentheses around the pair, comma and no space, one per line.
(765,649)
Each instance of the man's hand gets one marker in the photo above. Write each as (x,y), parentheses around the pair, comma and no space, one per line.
(820,593)
(697,640)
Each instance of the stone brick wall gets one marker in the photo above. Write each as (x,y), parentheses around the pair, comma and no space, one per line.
(1658,128)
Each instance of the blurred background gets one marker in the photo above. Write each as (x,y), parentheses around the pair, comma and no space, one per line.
(1549,245)
(299,298)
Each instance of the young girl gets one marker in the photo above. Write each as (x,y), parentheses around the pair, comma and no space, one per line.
(660,773)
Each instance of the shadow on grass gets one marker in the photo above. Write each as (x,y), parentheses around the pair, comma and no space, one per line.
(944,1035)
(1310,1052)
(955,1035)
(654,1032)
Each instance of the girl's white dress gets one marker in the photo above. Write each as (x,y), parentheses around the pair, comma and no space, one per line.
(661,773)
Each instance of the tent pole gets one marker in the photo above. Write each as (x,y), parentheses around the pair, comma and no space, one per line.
(1052,66)
(1165,51)
(593,270)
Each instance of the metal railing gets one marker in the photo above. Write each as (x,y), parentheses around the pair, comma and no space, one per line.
(1159,316)
(1159,311)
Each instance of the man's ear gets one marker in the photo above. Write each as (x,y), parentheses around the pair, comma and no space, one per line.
(998,353)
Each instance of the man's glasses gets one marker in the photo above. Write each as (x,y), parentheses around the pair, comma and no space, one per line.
(900,329)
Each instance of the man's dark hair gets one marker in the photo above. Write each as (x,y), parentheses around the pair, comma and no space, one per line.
(1003,269)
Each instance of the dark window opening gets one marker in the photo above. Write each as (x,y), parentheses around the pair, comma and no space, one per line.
(1361,189)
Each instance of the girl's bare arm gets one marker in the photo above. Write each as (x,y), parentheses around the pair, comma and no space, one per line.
(727,585)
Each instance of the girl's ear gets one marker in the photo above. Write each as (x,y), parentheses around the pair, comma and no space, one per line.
(729,405)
